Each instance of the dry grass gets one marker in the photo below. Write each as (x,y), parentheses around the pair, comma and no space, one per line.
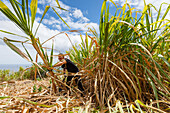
(23,97)
(18,96)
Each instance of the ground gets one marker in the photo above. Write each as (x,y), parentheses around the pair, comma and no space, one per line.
(35,96)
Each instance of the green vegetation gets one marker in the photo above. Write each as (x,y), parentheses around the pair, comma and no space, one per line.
(24,18)
(129,59)
(125,67)
(7,75)
(22,74)
(35,88)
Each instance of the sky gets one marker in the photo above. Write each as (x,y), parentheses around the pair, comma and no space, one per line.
(81,14)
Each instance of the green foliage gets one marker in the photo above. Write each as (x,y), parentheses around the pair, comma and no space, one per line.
(3,74)
(24,17)
(7,75)
(34,88)
(123,58)
(38,79)
(50,81)
(83,52)
(22,74)
(39,89)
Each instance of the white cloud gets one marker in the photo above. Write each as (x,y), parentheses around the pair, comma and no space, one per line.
(74,18)
(54,3)
(77,13)
(62,42)
(64,5)
(57,26)
(82,26)
(51,21)
(67,18)
(42,2)
(40,11)
(38,19)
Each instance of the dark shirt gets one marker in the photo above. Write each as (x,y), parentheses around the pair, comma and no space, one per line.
(70,66)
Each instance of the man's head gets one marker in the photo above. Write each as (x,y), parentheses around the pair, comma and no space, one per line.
(60,56)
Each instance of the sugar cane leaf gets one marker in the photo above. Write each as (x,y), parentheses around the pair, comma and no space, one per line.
(153,86)
(23,9)
(7,12)
(33,8)
(166,62)
(10,40)
(13,34)
(27,52)
(113,3)
(58,3)
(28,16)
(4,97)
(61,8)
(45,11)
(17,50)
(51,56)
(165,14)
(60,17)
(137,104)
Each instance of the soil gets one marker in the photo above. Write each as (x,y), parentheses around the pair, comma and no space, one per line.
(35,96)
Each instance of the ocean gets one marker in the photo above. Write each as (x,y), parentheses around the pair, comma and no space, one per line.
(13,67)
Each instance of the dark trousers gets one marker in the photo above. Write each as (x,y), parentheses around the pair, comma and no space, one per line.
(77,81)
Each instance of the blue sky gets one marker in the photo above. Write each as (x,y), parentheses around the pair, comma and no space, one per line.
(80,13)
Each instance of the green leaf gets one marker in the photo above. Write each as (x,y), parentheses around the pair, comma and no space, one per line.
(61,8)
(14,48)
(51,57)
(164,73)
(45,11)
(10,40)
(60,17)
(166,62)
(27,52)
(156,44)
(58,3)
(4,97)
(153,86)
(13,34)
(33,7)
(113,3)
(159,13)
(165,14)
(101,26)
(7,12)
(23,9)
(139,106)
(28,16)
(138,101)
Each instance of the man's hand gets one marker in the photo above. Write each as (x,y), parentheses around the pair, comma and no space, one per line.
(60,63)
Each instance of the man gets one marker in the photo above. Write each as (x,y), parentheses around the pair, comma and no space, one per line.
(72,69)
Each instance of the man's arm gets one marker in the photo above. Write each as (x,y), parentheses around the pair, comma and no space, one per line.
(60,63)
